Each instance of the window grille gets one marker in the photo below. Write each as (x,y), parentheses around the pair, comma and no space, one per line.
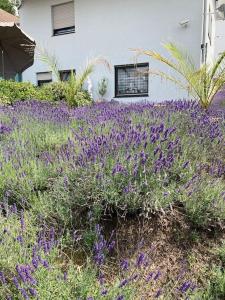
(131,80)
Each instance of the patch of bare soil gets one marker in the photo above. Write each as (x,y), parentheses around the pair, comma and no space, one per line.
(171,246)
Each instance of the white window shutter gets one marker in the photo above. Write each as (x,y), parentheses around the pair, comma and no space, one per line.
(63,15)
(44,76)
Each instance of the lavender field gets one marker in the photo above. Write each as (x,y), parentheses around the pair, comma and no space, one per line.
(112,201)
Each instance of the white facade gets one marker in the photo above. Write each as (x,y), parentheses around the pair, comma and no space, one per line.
(220,37)
(110,28)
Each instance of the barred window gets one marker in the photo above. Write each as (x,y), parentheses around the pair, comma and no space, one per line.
(131,80)
(63,18)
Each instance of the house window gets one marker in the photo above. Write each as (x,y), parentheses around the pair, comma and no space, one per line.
(65,74)
(44,78)
(131,80)
(63,18)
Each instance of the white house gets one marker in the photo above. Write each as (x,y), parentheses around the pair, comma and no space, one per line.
(77,30)
(220,37)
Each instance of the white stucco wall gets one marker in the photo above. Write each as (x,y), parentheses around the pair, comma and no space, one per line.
(220,37)
(110,28)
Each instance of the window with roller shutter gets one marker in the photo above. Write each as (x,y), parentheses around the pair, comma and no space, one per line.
(63,18)
(44,78)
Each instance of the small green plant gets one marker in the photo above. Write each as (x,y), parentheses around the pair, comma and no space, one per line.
(103,86)
(202,83)
(204,203)
(220,251)
(215,289)
(75,95)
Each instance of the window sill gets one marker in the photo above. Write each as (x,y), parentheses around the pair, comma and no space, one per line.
(63,31)
(132,96)
(61,34)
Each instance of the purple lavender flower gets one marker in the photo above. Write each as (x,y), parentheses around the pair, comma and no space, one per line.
(35,262)
(24,294)
(158,274)
(185,165)
(123,283)
(16,282)
(20,239)
(158,294)
(121,297)
(104,292)
(45,264)
(149,276)
(4,129)
(140,260)
(65,276)
(22,221)
(33,292)
(124,265)
(2,278)
(185,286)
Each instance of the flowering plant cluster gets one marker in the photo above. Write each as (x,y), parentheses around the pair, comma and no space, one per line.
(60,165)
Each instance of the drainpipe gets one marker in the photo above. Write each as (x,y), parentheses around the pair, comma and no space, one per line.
(204,45)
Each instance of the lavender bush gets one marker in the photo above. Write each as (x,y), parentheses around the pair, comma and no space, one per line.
(34,266)
(61,165)
(136,158)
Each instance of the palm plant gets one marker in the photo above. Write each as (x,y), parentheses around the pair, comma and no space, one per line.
(202,83)
(50,60)
(75,94)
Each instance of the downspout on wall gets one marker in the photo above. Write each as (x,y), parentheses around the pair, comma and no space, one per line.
(204,44)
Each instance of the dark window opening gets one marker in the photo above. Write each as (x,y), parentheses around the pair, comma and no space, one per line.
(132,80)
(43,82)
(62,31)
(65,74)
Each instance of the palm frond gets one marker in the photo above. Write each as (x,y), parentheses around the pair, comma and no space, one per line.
(203,82)
(50,60)
(217,65)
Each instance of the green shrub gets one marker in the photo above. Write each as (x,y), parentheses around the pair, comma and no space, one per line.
(53,91)
(4,99)
(17,90)
(12,91)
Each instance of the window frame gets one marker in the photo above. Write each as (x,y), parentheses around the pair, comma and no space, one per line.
(66,71)
(64,30)
(43,81)
(131,66)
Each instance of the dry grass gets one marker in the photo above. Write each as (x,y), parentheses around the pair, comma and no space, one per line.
(174,247)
